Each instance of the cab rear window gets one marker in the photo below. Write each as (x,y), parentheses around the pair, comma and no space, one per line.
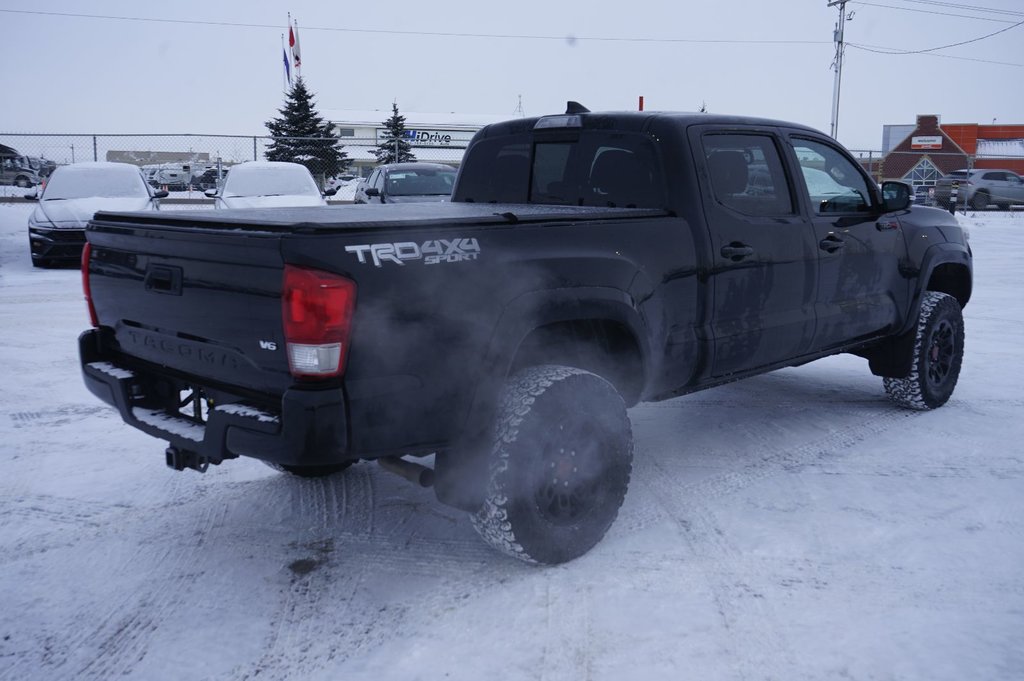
(587,168)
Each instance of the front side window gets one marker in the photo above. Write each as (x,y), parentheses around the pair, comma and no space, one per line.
(746,174)
(833,182)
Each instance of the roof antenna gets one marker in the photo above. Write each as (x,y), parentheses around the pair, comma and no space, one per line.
(572,107)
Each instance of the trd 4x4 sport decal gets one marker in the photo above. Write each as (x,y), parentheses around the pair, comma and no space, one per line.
(430,252)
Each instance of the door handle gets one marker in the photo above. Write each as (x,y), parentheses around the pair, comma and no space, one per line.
(736,251)
(831,243)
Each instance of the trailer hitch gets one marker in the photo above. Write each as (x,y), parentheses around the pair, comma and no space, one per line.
(180,459)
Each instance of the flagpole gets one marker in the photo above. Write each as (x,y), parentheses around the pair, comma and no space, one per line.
(284,75)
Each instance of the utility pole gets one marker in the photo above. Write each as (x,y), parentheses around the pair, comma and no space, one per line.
(838,63)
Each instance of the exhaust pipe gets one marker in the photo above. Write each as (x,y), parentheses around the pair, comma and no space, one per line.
(413,472)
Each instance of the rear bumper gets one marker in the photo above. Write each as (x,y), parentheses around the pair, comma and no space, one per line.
(309,429)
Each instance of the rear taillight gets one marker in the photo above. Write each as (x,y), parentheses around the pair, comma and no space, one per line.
(86,289)
(317,311)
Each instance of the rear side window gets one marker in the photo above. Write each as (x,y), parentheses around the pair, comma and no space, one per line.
(747,174)
(588,168)
(496,171)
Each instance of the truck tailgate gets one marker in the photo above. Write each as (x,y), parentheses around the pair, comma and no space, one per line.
(202,302)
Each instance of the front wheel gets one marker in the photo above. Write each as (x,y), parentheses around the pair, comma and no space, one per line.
(560,465)
(22,181)
(937,355)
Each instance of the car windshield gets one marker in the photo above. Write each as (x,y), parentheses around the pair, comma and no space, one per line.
(270,181)
(70,182)
(420,182)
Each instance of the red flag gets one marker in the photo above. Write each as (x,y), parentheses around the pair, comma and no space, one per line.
(293,40)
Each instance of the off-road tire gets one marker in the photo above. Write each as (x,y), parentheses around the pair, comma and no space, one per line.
(560,465)
(310,471)
(979,201)
(938,355)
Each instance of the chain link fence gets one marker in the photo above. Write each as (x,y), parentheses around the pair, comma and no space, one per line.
(186,165)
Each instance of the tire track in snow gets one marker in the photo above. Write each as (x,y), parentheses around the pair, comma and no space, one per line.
(123,636)
(297,642)
(746,614)
(72,520)
(57,416)
(567,630)
(686,497)
(110,640)
(332,609)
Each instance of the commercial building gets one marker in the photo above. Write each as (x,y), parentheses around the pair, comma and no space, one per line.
(920,154)
(435,137)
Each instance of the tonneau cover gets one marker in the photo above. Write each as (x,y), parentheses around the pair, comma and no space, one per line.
(355,217)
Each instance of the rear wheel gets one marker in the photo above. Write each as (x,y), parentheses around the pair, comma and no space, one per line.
(560,465)
(310,471)
(937,355)
(979,201)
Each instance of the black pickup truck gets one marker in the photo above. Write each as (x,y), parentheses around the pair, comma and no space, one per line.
(587,261)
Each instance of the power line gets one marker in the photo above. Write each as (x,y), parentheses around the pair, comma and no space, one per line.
(972,8)
(929,12)
(876,49)
(962,42)
(440,34)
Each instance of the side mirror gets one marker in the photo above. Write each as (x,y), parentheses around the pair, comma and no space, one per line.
(160,194)
(32,197)
(895,196)
(373,191)
(330,192)
(211,193)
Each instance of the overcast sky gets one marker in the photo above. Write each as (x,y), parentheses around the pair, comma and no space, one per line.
(216,67)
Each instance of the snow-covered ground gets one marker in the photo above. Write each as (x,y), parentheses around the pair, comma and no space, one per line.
(792,526)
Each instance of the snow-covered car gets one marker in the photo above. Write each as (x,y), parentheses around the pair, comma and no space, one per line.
(339,181)
(407,183)
(268,184)
(73,193)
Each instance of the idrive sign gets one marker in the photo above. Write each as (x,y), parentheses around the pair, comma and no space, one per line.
(433,138)
(926,142)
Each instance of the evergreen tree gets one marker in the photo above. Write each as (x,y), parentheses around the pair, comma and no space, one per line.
(394,147)
(301,135)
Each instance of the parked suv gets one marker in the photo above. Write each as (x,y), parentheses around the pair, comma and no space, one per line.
(18,171)
(980,187)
